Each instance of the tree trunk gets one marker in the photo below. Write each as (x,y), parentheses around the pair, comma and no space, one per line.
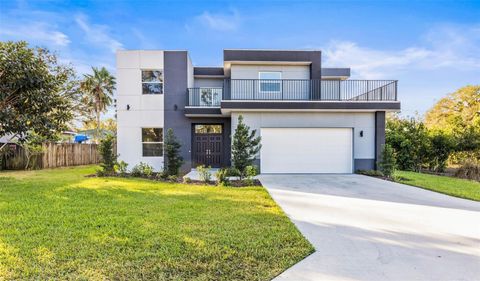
(97,111)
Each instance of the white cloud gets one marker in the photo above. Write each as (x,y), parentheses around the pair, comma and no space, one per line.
(447,46)
(37,31)
(220,22)
(97,34)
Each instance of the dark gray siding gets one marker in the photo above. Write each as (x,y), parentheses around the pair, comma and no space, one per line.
(341,72)
(309,105)
(176,83)
(207,70)
(315,57)
(379,134)
(364,164)
(175,65)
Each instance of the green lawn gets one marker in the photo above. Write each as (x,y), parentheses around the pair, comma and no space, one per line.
(452,186)
(58,224)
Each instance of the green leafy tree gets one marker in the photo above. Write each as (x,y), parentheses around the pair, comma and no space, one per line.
(441,145)
(109,158)
(244,147)
(387,163)
(172,152)
(409,139)
(37,94)
(98,91)
(458,115)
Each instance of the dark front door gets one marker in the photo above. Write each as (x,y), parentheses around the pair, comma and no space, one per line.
(207,145)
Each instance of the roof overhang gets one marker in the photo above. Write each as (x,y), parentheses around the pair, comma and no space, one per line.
(310,106)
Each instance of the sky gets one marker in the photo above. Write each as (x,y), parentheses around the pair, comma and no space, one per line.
(431,47)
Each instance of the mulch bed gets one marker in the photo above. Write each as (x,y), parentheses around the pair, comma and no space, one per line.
(233,183)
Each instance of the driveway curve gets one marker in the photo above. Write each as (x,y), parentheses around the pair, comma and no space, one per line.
(368,229)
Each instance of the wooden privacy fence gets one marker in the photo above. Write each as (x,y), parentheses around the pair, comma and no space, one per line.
(54,155)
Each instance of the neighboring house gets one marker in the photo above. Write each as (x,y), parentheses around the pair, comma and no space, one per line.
(311,119)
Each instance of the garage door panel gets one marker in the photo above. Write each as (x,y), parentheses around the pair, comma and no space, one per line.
(306,150)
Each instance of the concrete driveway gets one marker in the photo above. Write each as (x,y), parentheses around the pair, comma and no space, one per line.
(368,229)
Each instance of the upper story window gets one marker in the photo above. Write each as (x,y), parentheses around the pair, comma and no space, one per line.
(152,82)
(270,82)
(152,142)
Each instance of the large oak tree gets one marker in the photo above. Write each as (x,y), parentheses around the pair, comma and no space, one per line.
(37,94)
(458,115)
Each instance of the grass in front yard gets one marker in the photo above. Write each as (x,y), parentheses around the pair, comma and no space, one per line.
(58,224)
(448,185)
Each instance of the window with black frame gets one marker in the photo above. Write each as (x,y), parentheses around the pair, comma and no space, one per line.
(152,142)
(152,82)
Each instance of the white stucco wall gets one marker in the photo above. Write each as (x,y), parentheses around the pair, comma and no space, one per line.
(146,111)
(363,147)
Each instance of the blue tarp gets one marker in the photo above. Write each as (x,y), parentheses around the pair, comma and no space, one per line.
(80,138)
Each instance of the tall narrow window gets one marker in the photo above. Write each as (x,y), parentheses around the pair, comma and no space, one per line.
(152,142)
(152,82)
(270,82)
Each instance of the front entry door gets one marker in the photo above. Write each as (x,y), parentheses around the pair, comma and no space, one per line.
(208,145)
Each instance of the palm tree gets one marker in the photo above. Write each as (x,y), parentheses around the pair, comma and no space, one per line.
(98,91)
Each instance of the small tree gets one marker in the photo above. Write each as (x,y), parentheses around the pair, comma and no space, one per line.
(172,150)
(33,149)
(109,159)
(245,146)
(387,162)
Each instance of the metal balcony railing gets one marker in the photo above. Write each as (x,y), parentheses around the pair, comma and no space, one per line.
(294,90)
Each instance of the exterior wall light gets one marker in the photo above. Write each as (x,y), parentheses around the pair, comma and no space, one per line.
(128,107)
(361,134)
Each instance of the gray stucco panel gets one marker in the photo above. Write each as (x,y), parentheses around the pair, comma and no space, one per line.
(364,164)
(315,57)
(379,134)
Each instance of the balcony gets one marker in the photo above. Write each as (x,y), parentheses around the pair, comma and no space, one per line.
(293,90)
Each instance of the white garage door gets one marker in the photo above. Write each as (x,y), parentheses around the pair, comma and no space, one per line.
(306,150)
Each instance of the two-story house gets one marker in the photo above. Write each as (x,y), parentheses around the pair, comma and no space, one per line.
(311,119)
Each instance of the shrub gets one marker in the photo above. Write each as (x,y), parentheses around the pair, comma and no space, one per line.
(372,173)
(470,169)
(245,147)
(163,175)
(440,148)
(186,179)
(173,178)
(459,157)
(387,163)
(409,139)
(109,158)
(232,172)
(142,170)
(121,168)
(101,173)
(222,177)
(250,172)
(204,173)
(172,152)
